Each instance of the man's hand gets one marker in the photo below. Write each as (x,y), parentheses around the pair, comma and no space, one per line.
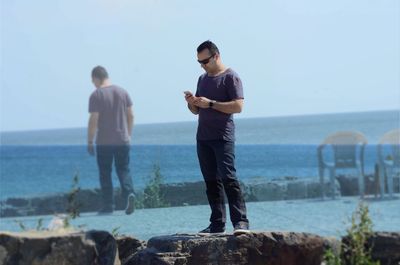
(189,97)
(202,102)
(90,149)
(92,128)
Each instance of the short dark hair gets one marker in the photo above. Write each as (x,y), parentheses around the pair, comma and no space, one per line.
(208,45)
(100,73)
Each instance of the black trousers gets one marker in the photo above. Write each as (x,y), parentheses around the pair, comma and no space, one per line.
(217,164)
(106,155)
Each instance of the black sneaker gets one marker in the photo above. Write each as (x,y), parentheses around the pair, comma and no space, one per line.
(130,205)
(241,228)
(212,230)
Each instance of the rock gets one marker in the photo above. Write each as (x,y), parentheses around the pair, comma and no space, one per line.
(254,248)
(385,247)
(50,204)
(9,211)
(128,247)
(314,189)
(192,193)
(271,191)
(17,202)
(189,193)
(49,248)
(349,185)
(151,257)
(89,200)
(296,190)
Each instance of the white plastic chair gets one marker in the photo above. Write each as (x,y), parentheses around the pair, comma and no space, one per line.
(348,152)
(388,151)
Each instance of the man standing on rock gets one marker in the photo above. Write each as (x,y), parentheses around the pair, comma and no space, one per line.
(111,122)
(218,96)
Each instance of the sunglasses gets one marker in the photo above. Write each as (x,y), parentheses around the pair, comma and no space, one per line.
(206,61)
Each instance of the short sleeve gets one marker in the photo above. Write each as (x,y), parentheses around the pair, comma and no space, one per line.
(128,100)
(94,103)
(235,87)
(198,87)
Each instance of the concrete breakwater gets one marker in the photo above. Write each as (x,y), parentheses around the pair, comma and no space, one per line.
(189,193)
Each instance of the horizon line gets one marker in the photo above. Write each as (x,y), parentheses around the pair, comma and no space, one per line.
(186,121)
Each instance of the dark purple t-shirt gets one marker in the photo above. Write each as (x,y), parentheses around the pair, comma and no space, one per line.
(213,124)
(111,103)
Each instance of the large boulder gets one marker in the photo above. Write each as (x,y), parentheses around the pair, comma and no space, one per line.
(385,247)
(56,247)
(128,247)
(255,248)
(270,191)
(187,193)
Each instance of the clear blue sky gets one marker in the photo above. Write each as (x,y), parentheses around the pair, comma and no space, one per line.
(294,57)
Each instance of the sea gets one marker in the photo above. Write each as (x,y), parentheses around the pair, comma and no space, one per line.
(41,162)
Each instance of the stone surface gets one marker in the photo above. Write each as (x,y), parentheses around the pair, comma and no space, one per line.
(296,190)
(49,248)
(386,247)
(254,248)
(128,247)
(270,191)
(17,202)
(189,193)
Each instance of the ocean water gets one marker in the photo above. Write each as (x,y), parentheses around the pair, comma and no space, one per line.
(44,162)
(35,170)
(325,218)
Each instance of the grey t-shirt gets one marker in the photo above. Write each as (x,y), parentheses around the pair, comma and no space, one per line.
(111,103)
(213,124)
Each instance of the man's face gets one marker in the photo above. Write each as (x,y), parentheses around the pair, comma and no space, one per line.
(207,60)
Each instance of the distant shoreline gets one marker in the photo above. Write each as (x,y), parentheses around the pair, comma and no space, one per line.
(188,193)
(237,118)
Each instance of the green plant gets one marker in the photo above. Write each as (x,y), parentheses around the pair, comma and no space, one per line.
(21,225)
(152,196)
(331,259)
(354,247)
(115,231)
(73,202)
(72,209)
(39,225)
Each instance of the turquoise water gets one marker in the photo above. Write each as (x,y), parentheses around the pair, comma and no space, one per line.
(326,218)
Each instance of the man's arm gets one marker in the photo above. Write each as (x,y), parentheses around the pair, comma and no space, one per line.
(234,106)
(230,107)
(130,118)
(92,128)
